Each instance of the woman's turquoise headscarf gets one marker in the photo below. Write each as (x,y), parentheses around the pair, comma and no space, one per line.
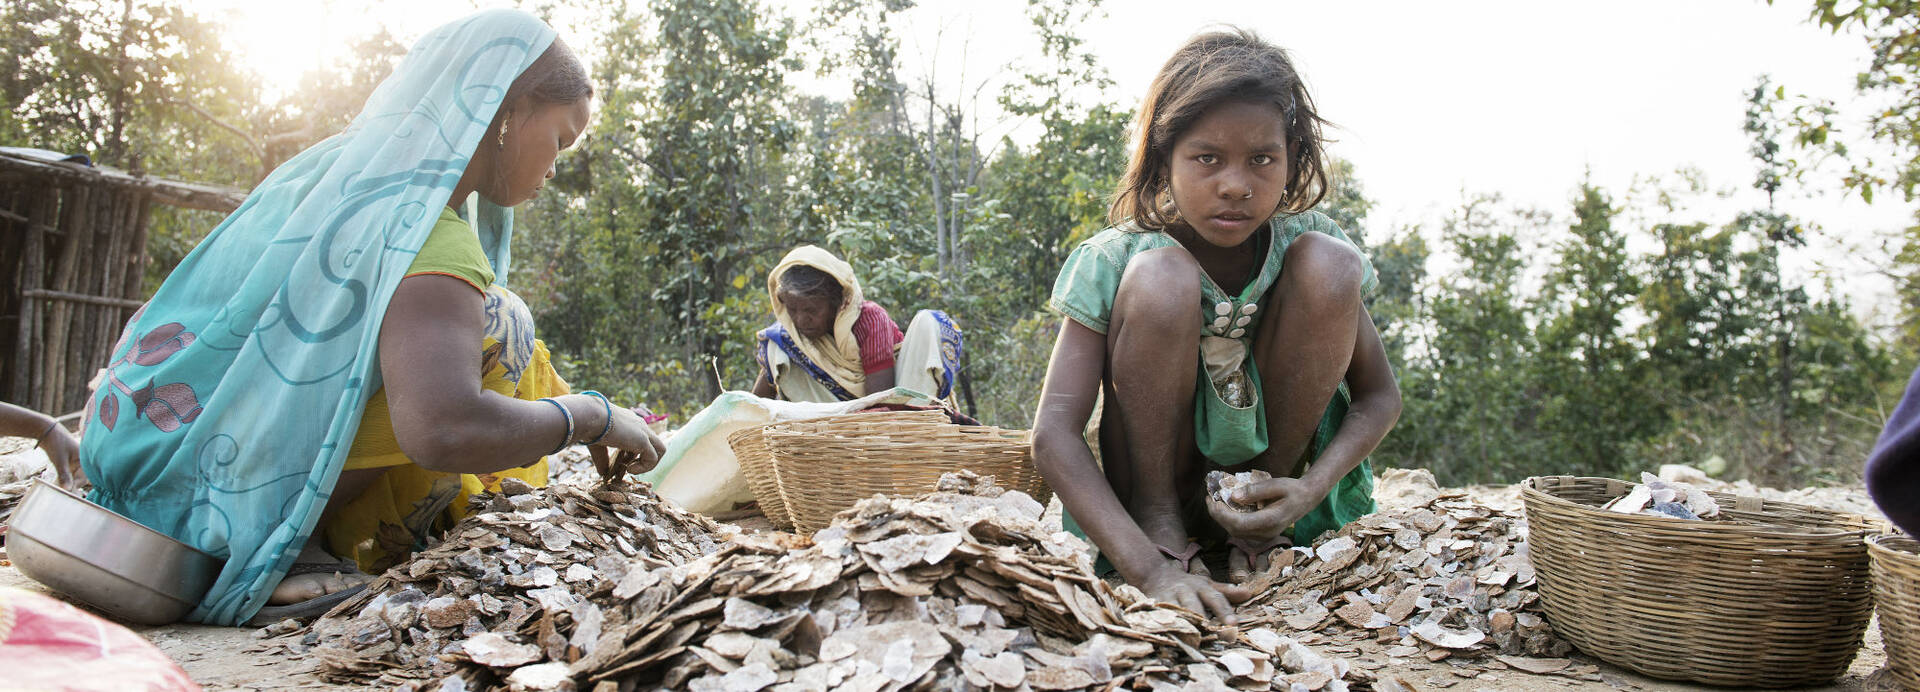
(235,393)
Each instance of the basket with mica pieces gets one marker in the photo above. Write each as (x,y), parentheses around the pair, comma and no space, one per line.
(1896,592)
(1770,595)
(825,465)
(756,461)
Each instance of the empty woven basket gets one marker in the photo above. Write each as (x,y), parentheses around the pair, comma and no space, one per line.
(1773,595)
(1896,593)
(756,461)
(825,465)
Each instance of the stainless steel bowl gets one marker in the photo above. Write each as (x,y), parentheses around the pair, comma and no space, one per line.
(105,560)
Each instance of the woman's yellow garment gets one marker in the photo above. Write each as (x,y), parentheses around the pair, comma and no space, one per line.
(408,504)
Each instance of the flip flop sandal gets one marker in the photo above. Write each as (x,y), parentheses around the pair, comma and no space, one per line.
(1245,551)
(1185,557)
(312,607)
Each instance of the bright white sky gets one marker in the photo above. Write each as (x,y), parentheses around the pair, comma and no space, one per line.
(1519,97)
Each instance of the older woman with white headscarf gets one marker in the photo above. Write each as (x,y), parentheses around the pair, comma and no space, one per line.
(828,343)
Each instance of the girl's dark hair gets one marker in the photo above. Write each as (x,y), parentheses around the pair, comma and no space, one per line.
(808,282)
(555,77)
(1213,68)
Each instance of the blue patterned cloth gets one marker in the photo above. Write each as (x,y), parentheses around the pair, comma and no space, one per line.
(950,347)
(777,336)
(235,393)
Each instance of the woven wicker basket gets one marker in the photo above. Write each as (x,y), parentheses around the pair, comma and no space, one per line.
(825,465)
(1772,595)
(1896,593)
(756,461)
(755,464)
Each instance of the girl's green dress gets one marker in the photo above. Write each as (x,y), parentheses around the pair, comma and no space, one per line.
(1230,425)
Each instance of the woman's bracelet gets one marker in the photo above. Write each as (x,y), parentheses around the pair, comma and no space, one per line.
(608,405)
(568,440)
(42,439)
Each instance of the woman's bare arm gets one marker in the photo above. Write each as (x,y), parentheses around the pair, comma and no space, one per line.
(443,419)
(881,381)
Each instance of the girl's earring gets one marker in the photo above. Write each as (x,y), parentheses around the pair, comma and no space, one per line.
(502,139)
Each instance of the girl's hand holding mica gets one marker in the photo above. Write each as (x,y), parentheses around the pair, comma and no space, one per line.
(638,448)
(1257,532)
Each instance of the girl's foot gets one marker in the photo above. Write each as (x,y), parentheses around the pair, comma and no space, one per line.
(1245,559)
(1187,559)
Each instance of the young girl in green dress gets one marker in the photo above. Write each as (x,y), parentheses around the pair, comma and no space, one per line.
(1220,322)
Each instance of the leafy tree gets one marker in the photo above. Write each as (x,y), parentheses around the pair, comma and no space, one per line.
(1589,368)
(1774,233)
(650,255)
(716,134)
(1891,79)
(1398,304)
(1699,333)
(151,87)
(1471,405)
(1890,85)
(140,86)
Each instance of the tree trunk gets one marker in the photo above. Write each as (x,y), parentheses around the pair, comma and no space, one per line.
(116,145)
(1783,326)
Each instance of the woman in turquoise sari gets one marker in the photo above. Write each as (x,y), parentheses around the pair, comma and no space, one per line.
(359,282)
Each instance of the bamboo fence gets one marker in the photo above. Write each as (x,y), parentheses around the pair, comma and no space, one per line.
(73,246)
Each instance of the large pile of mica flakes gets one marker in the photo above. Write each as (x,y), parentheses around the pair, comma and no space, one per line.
(1444,579)
(525,565)
(958,589)
(961,588)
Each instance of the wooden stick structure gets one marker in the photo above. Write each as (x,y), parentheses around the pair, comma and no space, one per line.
(73,246)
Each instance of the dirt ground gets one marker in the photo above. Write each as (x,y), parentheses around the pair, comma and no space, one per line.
(232,658)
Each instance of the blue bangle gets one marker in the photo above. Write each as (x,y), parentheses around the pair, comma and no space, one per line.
(568,440)
(608,405)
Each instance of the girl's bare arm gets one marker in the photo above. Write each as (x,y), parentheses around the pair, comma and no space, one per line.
(1061,454)
(1374,410)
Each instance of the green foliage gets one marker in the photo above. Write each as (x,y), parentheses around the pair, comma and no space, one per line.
(1398,302)
(151,87)
(1906,284)
(1526,342)
(1590,373)
(1699,335)
(1048,198)
(656,249)
(140,86)
(650,251)
(1889,87)
(1891,80)
(1470,410)
(1619,361)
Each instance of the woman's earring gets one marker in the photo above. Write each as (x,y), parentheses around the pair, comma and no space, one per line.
(503,132)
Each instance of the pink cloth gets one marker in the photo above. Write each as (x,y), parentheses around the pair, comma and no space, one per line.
(878,337)
(47,644)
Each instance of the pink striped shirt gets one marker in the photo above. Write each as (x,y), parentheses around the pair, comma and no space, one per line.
(878,336)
